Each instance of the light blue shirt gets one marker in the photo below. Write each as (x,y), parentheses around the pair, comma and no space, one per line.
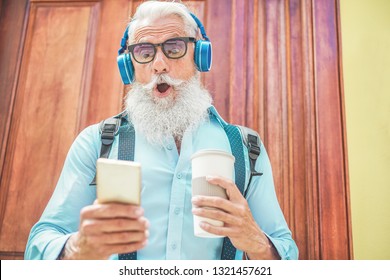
(165,196)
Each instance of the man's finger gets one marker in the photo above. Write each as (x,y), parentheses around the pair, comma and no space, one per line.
(97,226)
(219,230)
(111,210)
(232,191)
(236,209)
(216,214)
(125,248)
(118,238)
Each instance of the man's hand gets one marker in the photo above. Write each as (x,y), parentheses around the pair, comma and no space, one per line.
(107,229)
(239,224)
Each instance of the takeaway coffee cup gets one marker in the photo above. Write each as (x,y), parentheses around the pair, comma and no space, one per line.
(209,163)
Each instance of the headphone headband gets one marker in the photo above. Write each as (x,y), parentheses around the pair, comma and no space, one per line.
(124,40)
(201,27)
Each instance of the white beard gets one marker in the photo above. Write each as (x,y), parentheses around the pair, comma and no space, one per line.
(160,118)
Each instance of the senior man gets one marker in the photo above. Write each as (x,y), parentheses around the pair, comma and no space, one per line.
(170,112)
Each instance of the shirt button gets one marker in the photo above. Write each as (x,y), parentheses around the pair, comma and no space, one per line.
(179,175)
(173,246)
(177,210)
(170,147)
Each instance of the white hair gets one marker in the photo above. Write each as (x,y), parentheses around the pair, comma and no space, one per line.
(152,10)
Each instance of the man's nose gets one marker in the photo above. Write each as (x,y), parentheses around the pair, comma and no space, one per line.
(160,62)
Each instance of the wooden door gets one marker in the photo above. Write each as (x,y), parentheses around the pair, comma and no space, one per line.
(277,69)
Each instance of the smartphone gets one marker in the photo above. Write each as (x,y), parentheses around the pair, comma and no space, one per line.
(118,181)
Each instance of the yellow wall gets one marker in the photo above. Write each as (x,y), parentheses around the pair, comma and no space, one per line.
(366,61)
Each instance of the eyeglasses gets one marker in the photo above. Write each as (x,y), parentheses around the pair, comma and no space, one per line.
(173,48)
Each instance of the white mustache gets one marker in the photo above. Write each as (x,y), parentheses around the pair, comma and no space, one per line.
(163,78)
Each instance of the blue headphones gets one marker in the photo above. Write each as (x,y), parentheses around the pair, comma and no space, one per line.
(202,55)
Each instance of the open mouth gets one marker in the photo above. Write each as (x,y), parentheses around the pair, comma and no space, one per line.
(163,89)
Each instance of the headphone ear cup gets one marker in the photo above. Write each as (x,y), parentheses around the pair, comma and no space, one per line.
(203,55)
(126,68)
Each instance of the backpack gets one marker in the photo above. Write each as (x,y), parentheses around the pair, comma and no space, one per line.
(239,136)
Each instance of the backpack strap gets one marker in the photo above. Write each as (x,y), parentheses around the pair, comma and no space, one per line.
(239,136)
(108,129)
(236,144)
(251,140)
(126,151)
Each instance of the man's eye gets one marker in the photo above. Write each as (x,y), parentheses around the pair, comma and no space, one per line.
(145,53)
(174,51)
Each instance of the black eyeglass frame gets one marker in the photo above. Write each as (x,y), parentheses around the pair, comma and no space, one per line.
(186,40)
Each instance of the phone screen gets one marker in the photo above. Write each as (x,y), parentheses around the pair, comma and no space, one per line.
(118,181)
